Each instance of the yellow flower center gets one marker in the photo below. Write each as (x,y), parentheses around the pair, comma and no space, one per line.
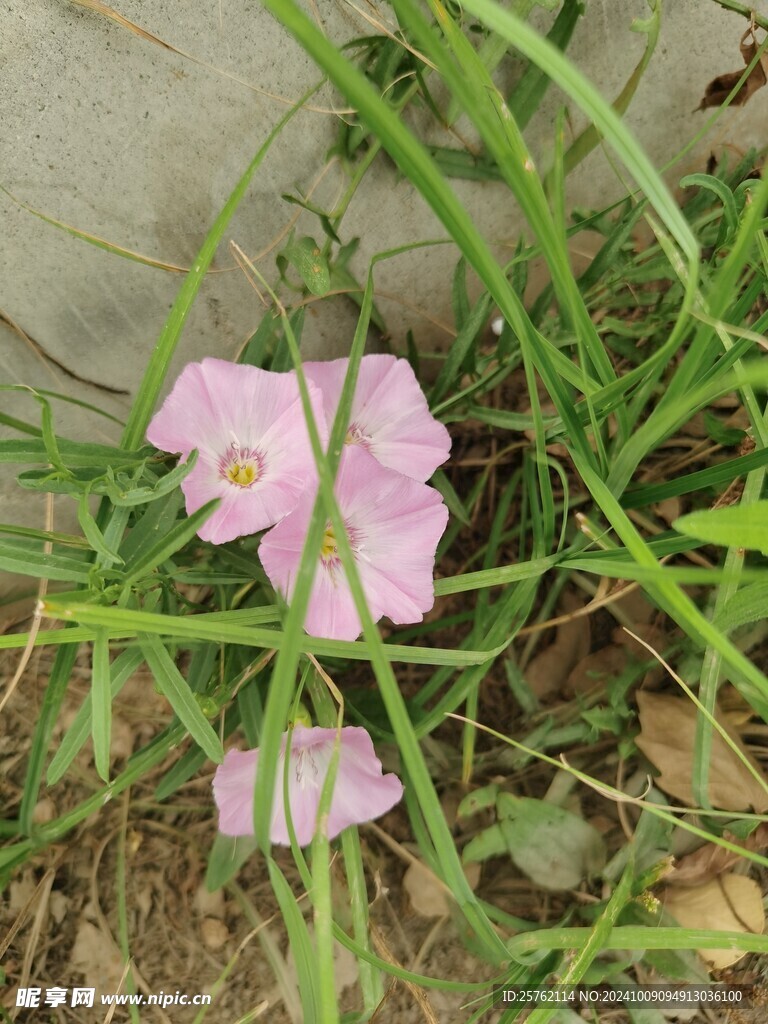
(240,465)
(242,473)
(329,550)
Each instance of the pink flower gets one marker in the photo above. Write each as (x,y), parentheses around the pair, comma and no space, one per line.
(254,453)
(393,524)
(360,792)
(389,416)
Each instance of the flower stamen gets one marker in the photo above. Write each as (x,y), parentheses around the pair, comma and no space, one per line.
(329,549)
(241,466)
(356,435)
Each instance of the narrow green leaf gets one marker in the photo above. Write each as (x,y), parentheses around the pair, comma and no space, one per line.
(749,604)
(526,97)
(121,670)
(307,258)
(712,476)
(174,687)
(28,561)
(101,690)
(26,450)
(227,856)
(300,942)
(92,533)
(740,526)
(576,86)
(41,740)
(178,535)
(167,483)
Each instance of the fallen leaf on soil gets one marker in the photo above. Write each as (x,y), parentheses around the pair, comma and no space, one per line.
(428,897)
(554,848)
(96,957)
(718,89)
(712,860)
(667,732)
(731,903)
(668,510)
(549,669)
(592,671)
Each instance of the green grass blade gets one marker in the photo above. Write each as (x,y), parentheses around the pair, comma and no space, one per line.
(101,695)
(178,535)
(574,84)
(121,670)
(41,740)
(175,688)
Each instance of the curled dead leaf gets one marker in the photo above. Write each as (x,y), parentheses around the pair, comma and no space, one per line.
(592,671)
(667,733)
(712,860)
(549,669)
(719,88)
(731,903)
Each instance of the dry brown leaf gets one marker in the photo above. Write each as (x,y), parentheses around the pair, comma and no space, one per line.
(668,510)
(667,732)
(732,903)
(645,631)
(711,860)
(548,670)
(634,604)
(96,957)
(427,895)
(593,670)
(718,89)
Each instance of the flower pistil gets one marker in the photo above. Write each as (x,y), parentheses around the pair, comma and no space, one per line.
(241,466)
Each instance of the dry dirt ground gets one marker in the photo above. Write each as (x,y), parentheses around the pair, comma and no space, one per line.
(60,915)
(64,903)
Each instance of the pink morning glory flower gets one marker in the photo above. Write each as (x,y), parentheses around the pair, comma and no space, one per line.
(361,792)
(393,524)
(249,429)
(389,416)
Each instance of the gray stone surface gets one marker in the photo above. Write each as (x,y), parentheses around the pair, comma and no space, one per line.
(131,142)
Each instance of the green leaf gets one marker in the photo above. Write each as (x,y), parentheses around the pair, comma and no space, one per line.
(174,687)
(154,523)
(727,436)
(41,741)
(73,453)
(738,526)
(29,561)
(102,703)
(554,848)
(121,670)
(489,843)
(164,485)
(750,604)
(220,628)
(478,800)
(175,538)
(527,95)
(307,258)
(227,856)
(300,943)
(93,534)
